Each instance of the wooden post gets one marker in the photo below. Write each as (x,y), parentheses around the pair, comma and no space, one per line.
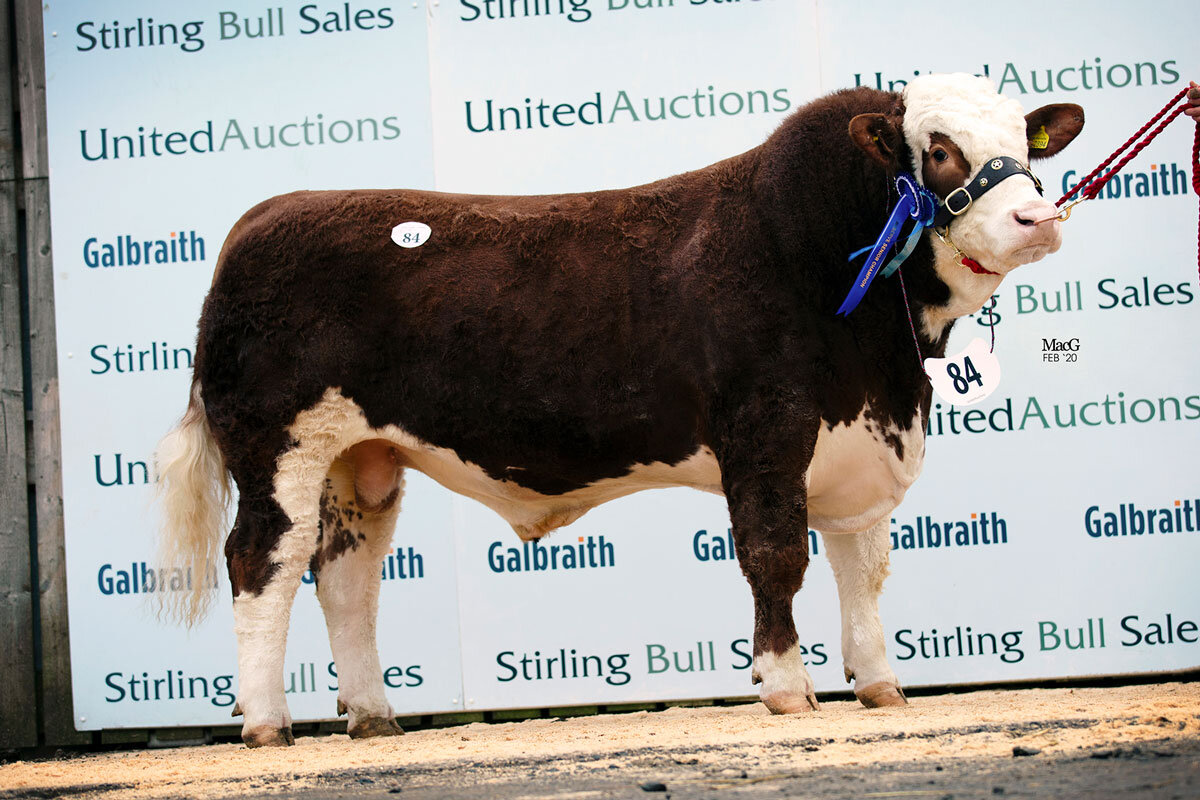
(18,700)
(58,724)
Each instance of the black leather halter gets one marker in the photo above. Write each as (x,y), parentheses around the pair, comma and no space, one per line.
(992,172)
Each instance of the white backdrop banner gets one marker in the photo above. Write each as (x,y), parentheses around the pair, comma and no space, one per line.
(1055,528)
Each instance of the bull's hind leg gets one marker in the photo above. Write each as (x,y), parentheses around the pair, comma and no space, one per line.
(272,543)
(358,513)
(267,552)
(860,565)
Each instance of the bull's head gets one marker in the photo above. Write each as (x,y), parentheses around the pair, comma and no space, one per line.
(955,126)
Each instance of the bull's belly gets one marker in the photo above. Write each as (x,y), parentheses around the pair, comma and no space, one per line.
(338,424)
(532,514)
(857,477)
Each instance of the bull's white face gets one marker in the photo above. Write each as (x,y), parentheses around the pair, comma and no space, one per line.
(953,125)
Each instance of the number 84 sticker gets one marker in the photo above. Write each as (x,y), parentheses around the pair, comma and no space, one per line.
(967,378)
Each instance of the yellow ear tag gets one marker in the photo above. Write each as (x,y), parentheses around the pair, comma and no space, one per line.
(1040,140)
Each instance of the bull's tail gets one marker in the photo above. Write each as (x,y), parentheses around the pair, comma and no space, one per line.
(194,493)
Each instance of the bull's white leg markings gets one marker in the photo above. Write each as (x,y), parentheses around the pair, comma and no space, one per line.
(336,423)
(785,685)
(350,602)
(348,588)
(261,621)
(860,565)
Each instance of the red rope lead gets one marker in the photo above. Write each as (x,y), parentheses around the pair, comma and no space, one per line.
(1086,180)
(1196,187)
(1090,186)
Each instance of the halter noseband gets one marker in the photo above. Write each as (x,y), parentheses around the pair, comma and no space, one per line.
(991,173)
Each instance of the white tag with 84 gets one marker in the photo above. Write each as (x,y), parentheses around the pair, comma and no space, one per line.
(411,234)
(967,378)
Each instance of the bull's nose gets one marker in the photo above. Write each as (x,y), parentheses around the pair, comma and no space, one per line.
(1030,216)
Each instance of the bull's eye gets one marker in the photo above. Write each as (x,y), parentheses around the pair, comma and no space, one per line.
(939,155)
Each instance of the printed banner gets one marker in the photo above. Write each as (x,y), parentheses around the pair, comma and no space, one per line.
(1055,524)
(165,125)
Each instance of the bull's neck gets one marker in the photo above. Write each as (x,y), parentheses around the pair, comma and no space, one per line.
(968,291)
(820,210)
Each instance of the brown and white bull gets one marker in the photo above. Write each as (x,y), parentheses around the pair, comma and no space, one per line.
(543,355)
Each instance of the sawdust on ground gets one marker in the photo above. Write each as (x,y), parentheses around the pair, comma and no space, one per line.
(982,723)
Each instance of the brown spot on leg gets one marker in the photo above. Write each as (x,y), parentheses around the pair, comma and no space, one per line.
(335,534)
(774,564)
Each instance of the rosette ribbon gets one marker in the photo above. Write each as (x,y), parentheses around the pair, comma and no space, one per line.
(916,203)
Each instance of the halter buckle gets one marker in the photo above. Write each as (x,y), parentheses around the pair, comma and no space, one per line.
(962,210)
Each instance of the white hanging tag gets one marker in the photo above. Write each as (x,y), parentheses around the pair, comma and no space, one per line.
(966,378)
(411,234)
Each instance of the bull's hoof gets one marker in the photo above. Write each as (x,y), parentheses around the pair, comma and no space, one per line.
(786,702)
(374,726)
(266,736)
(879,695)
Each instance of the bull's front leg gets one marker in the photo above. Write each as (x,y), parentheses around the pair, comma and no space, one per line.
(768,507)
(860,565)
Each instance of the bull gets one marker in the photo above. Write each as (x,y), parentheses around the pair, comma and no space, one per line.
(543,355)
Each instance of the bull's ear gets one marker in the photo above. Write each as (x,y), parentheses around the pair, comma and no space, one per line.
(879,137)
(1051,128)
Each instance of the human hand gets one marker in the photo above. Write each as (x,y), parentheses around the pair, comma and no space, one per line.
(1193,97)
